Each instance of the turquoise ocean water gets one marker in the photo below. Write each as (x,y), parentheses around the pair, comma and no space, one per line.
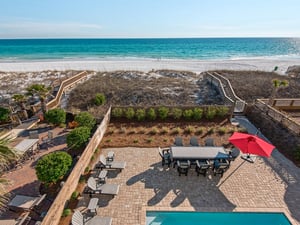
(164,48)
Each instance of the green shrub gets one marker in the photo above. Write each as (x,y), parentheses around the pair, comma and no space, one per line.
(165,140)
(56,116)
(149,140)
(140,114)
(210,113)
(197,114)
(108,141)
(187,114)
(222,130)
(176,130)
(153,131)
(210,131)
(53,167)
(176,113)
(163,112)
(4,114)
(164,130)
(85,119)
(99,99)
(75,195)
(135,141)
(199,131)
(129,113)
(222,111)
(117,112)
(78,137)
(151,114)
(189,130)
(87,169)
(66,212)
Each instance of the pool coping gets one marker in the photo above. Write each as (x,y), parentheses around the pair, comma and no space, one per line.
(209,209)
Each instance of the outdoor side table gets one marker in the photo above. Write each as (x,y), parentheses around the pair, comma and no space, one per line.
(102,176)
(93,204)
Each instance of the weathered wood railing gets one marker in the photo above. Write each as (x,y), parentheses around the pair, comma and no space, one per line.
(278,116)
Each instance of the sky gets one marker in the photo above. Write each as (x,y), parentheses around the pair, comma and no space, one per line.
(149,18)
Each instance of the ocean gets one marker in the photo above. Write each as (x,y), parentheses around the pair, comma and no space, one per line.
(12,50)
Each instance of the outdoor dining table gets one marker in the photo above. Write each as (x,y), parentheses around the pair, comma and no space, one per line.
(197,153)
(27,145)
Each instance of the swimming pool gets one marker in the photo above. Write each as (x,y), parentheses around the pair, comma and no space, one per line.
(215,218)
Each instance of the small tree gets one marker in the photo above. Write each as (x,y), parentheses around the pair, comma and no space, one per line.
(140,114)
(85,119)
(52,167)
(163,112)
(151,114)
(129,113)
(99,99)
(176,113)
(4,114)
(78,137)
(117,112)
(277,84)
(42,92)
(56,116)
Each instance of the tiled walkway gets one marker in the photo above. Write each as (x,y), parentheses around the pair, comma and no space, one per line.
(146,185)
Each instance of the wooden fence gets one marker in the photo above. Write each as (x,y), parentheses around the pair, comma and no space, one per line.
(275,114)
(54,213)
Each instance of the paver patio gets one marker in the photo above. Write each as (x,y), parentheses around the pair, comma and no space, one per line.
(266,185)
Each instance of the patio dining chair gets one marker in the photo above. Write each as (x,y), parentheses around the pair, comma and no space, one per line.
(209,142)
(79,219)
(165,156)
(220,166)
(178,141)
(183,167)
(202,167)
(194,141)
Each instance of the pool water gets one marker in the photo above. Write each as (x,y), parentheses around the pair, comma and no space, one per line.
(215,218)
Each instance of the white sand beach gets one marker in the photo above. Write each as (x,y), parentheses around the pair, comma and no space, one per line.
(146,65)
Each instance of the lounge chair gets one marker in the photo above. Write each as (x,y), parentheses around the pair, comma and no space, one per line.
(183,167)
(194,141)
(165,156)
(106,189)
(220,166)
(202,167)
(178,141)
(209,142)
(104,164)
(78,219)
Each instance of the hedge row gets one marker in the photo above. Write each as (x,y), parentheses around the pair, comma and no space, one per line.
(162,113)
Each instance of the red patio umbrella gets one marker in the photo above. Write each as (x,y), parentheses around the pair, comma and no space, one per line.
(251,144)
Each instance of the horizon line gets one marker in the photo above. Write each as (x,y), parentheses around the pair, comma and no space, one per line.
(45,38)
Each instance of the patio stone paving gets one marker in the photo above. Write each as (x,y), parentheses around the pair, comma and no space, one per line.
(146,185)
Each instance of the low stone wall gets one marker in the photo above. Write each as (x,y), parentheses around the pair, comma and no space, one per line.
(54,213)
